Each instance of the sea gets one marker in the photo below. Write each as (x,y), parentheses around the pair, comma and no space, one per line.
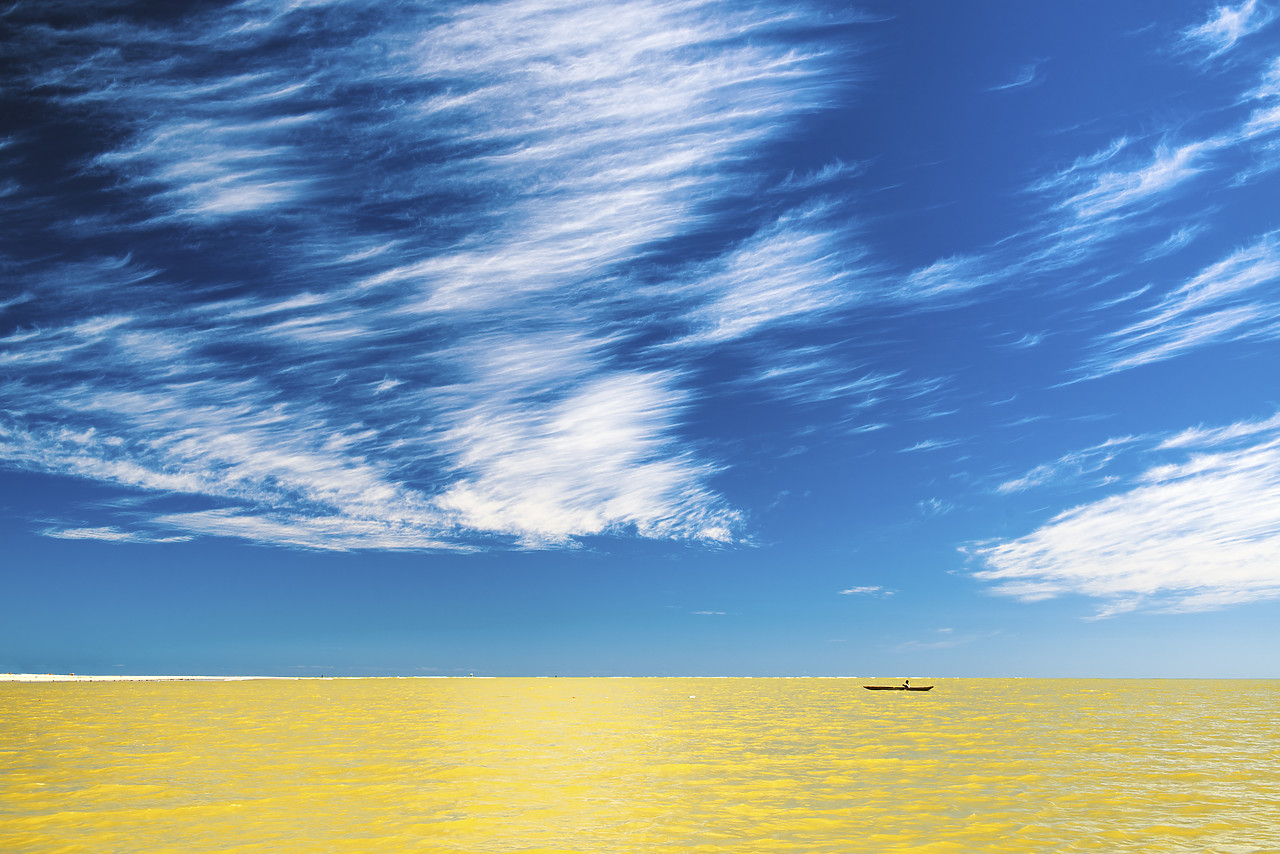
(640,765)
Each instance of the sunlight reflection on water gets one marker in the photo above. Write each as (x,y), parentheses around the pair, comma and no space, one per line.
(630,765)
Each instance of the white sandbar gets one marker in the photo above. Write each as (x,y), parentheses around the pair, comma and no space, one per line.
(74,677)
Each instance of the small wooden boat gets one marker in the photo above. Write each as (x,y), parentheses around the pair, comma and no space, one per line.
(898,687)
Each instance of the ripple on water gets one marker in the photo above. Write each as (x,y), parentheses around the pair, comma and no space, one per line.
(678,765)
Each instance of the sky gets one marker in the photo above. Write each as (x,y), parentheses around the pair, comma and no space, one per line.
(525,337)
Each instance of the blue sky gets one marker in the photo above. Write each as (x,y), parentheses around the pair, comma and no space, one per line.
(658,338)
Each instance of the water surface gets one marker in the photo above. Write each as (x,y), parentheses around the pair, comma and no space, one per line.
(640,765)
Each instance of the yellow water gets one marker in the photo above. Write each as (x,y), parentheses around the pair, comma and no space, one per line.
(640,765)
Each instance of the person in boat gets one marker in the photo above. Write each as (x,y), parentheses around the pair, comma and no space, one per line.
(906,683)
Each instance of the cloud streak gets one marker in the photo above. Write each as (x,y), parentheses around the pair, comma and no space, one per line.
(1230,300)
(1028,75)
(1094,190)
(1196,534)
(438,305)
(1227,25)
(873,590)
(1131,188)
(1069,468)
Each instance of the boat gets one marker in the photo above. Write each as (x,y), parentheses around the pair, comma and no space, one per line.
(898,687)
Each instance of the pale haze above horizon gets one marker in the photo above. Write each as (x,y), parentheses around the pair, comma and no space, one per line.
(641,338)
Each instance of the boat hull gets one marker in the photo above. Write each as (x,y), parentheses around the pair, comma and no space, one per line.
(898,687)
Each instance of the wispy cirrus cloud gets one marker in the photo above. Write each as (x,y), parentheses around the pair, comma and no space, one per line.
(1209,437)
(1122,188)
(1110,183)
(1105,195)
(1229,300)
(832,172)
(1270,85)
(1129,188)
(1198,533)
(786,272)
(1026,76)
(1227,25)
(929,445)
(867,590)
(1067,468)
(111,535)
(1102,190)
(437,306)
(949,278)
(1175,241)
(598,459)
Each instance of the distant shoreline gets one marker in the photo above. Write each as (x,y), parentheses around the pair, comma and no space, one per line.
(74,677)
(92,677)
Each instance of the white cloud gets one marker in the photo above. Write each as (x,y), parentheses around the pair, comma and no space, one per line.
(399,530)
(948,277)
(1108,194)
(467,371)
(1229,24)
(929,445)
(1208,437)
(1175,241)
(596,461)
(1027,341)
(1193,535)
(1111,192)
(828,174)
(867,590)
(1270,85)
(1067,468)
(1265,120)
(935,507)
(109,534)
(787,272)
(1027,76)
(1226,301)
